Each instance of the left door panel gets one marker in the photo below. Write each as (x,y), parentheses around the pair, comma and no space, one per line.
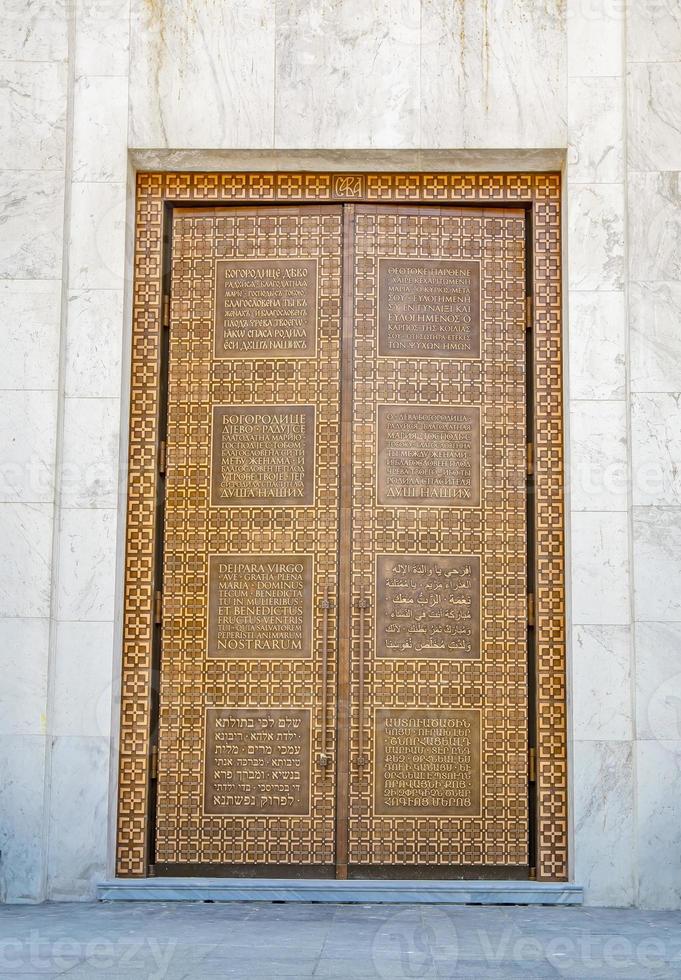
(246,775)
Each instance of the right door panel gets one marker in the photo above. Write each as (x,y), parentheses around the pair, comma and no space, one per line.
(438,573)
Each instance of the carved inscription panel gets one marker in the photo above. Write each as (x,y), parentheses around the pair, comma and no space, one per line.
(428,455)
(263,455)
(260,606)
(428,606)
(427,762)
(428,308)
(257,761)
(265,307)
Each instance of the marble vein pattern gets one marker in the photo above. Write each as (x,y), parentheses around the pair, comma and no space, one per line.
(655,314)
(657,563)
(596,236)
(658,681)
(654,111)
(31,224)
(656,448)
(654,226)
(33,110)
(597,347)
(595,150)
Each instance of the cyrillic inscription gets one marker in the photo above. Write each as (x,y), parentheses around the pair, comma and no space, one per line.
(428,607)
(265,307)
(257,761)
(428,308)
(429,456)
(259,606)
(263,455)
(427,762)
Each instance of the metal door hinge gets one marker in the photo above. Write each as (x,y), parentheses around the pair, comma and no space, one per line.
(530,459)
(530,609)
(162,455)
(153,762)
(532,765)
(165,319)
(528,313)
(158,607)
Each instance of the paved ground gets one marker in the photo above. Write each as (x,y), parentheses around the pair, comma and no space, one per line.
(347,942)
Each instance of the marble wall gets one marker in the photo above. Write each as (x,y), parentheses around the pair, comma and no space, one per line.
(97,87)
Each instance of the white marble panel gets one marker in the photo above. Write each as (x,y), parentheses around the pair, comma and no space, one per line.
(97,236)
(597,344)
(657,564)
(600,569)
(658,776)
(33,110)
(653,30)
(596,236)
(654,226)
(30,323)
(28,431)
(595,31)
(656,448)
(202,76)
(347,74)
(93,344)
(82,686)
(89,470)
(595,126)
(100,126)
(34,31)
(492,74)
(25,559)
(601,683)
(32,220)
(599,477)
(654,116)
(22,785)
(658,680)
(604,823)
(23,668)
(102,34)
(87,565)
(655,354)
(79,799)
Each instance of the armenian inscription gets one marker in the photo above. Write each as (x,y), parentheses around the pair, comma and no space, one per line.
(259,606)
(266,307)
(257,761)
(428,455)
(263,455)
(429,308)
(428,607)
(427,762)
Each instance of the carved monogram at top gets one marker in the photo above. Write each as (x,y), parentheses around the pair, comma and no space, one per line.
(429,308)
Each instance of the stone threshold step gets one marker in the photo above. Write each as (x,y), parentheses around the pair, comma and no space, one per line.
(356,891)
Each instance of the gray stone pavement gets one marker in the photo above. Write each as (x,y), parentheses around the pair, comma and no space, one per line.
(169,941)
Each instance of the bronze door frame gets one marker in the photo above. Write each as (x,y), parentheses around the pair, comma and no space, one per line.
(539,196)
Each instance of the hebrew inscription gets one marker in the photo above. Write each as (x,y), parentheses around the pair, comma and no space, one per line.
(428,607)
(257,761)
(266,307)
(429,308)
(263,455)
(427,762)
(428,455)
(259,606)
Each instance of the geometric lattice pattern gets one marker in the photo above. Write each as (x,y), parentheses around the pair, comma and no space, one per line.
(495,384)
(540,194)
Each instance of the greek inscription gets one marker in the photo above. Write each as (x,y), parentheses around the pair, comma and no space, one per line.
(265,308)
(257,761)
(429,308)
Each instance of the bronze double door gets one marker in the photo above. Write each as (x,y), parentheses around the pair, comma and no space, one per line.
(343,646)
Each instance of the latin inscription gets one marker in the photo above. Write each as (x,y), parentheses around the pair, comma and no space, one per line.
(429,455)
(428,607)
(266,307)
(259,606)
(257,761)
(427,762)
(263,455)
(429,308)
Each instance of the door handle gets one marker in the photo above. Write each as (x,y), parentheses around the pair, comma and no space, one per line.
(362,605)
(326,605)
